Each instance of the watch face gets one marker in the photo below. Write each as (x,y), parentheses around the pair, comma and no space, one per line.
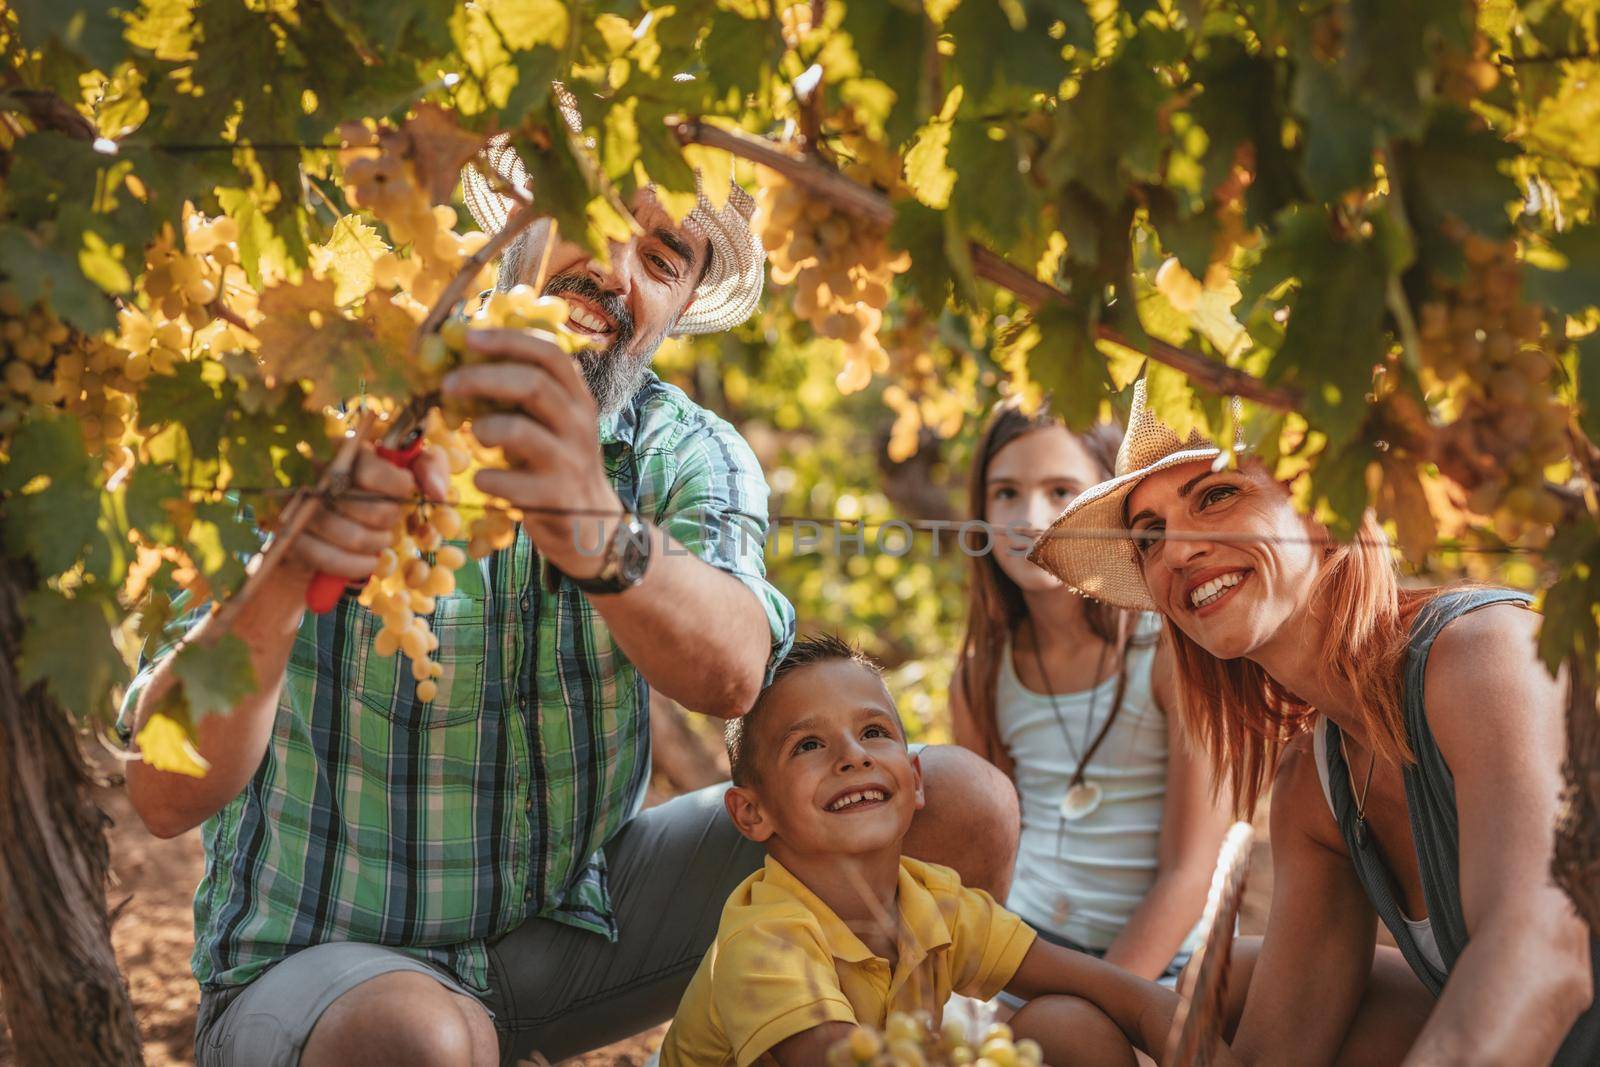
(635,555)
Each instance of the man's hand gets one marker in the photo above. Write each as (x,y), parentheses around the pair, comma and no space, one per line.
(550,437)
(346,536)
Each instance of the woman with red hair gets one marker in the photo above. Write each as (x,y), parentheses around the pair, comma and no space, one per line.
(1416,741)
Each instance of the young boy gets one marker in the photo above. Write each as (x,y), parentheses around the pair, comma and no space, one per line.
(838,929)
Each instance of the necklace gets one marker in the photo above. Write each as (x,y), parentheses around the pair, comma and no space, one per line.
(1361,801)
(1082,796)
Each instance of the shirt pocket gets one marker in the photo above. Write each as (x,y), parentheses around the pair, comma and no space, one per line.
(385,684)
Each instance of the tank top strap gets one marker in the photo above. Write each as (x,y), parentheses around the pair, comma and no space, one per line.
(1430,800)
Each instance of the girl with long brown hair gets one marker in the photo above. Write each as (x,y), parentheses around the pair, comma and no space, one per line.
(1071,698)
(1416,741)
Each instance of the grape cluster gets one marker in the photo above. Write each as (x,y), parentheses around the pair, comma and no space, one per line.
(405,585)
(913,1041)
(47,363)
(841,267)
(1483,339)
(519,308)
(379,178)
(183,282)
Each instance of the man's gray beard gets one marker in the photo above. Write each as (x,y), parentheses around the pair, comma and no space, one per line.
(614,375)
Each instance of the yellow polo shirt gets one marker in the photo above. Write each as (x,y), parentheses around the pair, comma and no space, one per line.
(783,963)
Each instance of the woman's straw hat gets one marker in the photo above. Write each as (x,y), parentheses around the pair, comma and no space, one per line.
(732,284)
(1088,546)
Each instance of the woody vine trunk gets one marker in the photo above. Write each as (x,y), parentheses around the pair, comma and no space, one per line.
(65,999)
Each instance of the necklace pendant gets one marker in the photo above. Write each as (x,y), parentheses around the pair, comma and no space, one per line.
(1081,800)
(1361,832)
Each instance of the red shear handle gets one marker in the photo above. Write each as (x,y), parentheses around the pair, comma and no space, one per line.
(326,589)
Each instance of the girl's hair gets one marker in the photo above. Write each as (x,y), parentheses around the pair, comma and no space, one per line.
(995,605)
(1243,718)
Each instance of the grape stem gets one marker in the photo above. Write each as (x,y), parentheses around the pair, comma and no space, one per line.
(858,200)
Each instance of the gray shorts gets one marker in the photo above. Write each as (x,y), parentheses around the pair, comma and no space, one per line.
(552,987)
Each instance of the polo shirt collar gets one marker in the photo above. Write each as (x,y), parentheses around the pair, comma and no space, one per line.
(922,925)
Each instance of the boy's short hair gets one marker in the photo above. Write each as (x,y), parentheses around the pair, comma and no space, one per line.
(739,733)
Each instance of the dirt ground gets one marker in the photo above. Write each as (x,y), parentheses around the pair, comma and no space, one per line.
(154,884)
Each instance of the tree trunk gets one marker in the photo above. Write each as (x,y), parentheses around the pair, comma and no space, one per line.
(65,999)
(1576,866)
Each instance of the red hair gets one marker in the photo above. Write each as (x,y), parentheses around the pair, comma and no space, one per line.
(1243,718)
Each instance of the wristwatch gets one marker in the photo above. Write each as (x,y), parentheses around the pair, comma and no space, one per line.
(627,557)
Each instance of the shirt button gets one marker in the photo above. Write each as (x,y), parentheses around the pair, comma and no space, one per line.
(527,601)
(527,894)
(529,805)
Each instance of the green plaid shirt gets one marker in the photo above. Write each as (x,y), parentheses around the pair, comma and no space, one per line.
(433,827)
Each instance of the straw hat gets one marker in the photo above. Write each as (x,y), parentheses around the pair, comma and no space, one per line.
(732,284)
(1088,546)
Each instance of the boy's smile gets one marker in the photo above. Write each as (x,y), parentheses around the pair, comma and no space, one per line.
(833,775)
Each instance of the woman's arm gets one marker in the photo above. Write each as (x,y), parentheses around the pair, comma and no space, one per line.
(1192,826)
(1497,717)
(1321,932)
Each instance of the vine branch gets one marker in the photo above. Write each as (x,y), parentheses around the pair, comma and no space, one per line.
(856,199)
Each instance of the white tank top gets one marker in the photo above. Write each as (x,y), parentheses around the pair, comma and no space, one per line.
(1421,929)
(1083,879)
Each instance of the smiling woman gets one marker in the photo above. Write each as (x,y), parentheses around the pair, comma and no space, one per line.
(1290,644)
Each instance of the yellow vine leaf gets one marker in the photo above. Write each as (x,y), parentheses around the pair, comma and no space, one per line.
(166,747)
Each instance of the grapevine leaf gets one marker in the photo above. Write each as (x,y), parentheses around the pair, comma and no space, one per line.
(191,400)
(1107,135)
(1241,104)
(1455,172)
(150,488)
(166,746)
(892,43)
(984,31)
(736,49)
(1569,623)
(215,676)
(1575,288)
(90,31)
(991,190)
(387,27)
(1341,134)
(66,644)
(527,23)
(1589,385)
(347,258)
(1065,363)
(1390,45)
(1339,486)
(438,149)
(44,272)
(927,172)
(1335,332)
(1403,499)
(53,509)
(304,339)
(919,230)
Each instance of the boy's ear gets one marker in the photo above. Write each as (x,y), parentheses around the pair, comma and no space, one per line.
(745,811)
(916,776)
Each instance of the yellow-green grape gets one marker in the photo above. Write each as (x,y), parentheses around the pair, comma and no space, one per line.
(865,1043)
(1484,340)
(1029,1053)
(841,268)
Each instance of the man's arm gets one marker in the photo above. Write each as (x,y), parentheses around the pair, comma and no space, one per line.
(1192,826)
(1525,975)
(697,634)
(343,541)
